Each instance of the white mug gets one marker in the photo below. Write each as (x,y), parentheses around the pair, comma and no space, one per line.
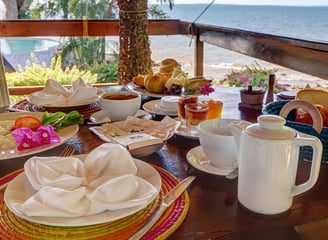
(119,105)
(218,143)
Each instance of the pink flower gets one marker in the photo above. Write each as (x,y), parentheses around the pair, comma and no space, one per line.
(47,134)
(206,89)
(26,138)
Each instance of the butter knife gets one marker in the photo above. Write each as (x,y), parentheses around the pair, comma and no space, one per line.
(168,199)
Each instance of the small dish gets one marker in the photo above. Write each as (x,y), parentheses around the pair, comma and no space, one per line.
(197,158)
(98,118)
(104,134)
(152,107)
(182,131)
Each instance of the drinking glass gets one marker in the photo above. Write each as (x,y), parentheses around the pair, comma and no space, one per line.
(195,114)
(181,107)
(214,108)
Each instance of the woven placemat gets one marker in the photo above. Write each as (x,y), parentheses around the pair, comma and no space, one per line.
(86,110)
(14,227)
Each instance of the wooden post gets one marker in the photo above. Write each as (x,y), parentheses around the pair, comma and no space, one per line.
(269,97)
(199,56)
(4,94)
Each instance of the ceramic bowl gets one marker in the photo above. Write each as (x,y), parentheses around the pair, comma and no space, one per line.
(119,105)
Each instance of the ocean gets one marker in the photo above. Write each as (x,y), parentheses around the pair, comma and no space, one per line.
(309,23)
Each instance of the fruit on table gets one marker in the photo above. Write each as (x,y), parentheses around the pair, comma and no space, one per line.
(155,82)
(30,122)
(139,80)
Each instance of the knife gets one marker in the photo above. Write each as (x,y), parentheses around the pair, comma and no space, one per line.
(168,199)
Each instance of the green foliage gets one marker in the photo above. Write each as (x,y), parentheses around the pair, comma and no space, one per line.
(106,71)
(34,73)
(255,76)
(83,51)
(155,11)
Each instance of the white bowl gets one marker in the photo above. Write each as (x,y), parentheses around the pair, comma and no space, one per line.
(120,109)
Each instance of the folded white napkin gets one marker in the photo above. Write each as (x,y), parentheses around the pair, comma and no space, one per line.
(67,187)
(80,93)
(67,173)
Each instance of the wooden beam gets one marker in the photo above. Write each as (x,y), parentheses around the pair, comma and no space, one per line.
(303,59)
(31,28)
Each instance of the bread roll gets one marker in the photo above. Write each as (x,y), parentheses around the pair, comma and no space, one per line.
(314,96)
(167,65)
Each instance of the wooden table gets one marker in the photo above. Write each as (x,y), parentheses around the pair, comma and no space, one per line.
(215,212)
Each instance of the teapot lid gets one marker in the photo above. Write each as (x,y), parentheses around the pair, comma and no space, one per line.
(271,127)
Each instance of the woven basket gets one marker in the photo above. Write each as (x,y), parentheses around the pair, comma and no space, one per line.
(305,152)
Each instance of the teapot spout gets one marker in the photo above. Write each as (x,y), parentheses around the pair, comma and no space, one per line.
(236,128)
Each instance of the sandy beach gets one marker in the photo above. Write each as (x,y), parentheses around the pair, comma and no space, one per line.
(218,62)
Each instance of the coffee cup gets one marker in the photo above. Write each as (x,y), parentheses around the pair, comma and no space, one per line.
(119,105)
(218,143)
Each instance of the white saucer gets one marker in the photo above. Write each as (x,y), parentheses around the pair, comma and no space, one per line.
(182,131)
(152,108)
(197,158)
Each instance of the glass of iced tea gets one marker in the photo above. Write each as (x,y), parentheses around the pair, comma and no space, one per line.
(183,100)
(195,113)
(214,108)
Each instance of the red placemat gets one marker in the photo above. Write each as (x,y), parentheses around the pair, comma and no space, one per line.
(14,227)
(85,110)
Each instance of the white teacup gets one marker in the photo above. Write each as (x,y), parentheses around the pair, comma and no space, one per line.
(120,104)
(218,142)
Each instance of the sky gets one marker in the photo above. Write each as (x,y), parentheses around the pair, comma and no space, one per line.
(257,2)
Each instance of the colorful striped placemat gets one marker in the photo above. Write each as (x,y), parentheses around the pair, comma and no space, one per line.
(14,227)
(85,110)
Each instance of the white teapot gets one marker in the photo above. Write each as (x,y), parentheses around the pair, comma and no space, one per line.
(268,158)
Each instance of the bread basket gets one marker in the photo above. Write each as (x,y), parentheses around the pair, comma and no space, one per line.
(305,152)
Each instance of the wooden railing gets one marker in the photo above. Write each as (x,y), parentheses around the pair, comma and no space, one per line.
(304,56)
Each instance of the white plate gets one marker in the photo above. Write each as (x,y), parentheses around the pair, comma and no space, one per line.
(19,190)
(151,108)
(197,158)
(65,134)
(138,152)
(182,131)
(99,117)
(64,105)
(141,90)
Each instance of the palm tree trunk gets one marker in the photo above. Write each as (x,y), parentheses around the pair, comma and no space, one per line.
(134,54)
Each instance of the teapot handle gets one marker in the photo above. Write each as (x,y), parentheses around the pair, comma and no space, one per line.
(315,143)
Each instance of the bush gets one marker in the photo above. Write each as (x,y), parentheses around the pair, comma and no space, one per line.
(36,74)
(106,72)
(254,76)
